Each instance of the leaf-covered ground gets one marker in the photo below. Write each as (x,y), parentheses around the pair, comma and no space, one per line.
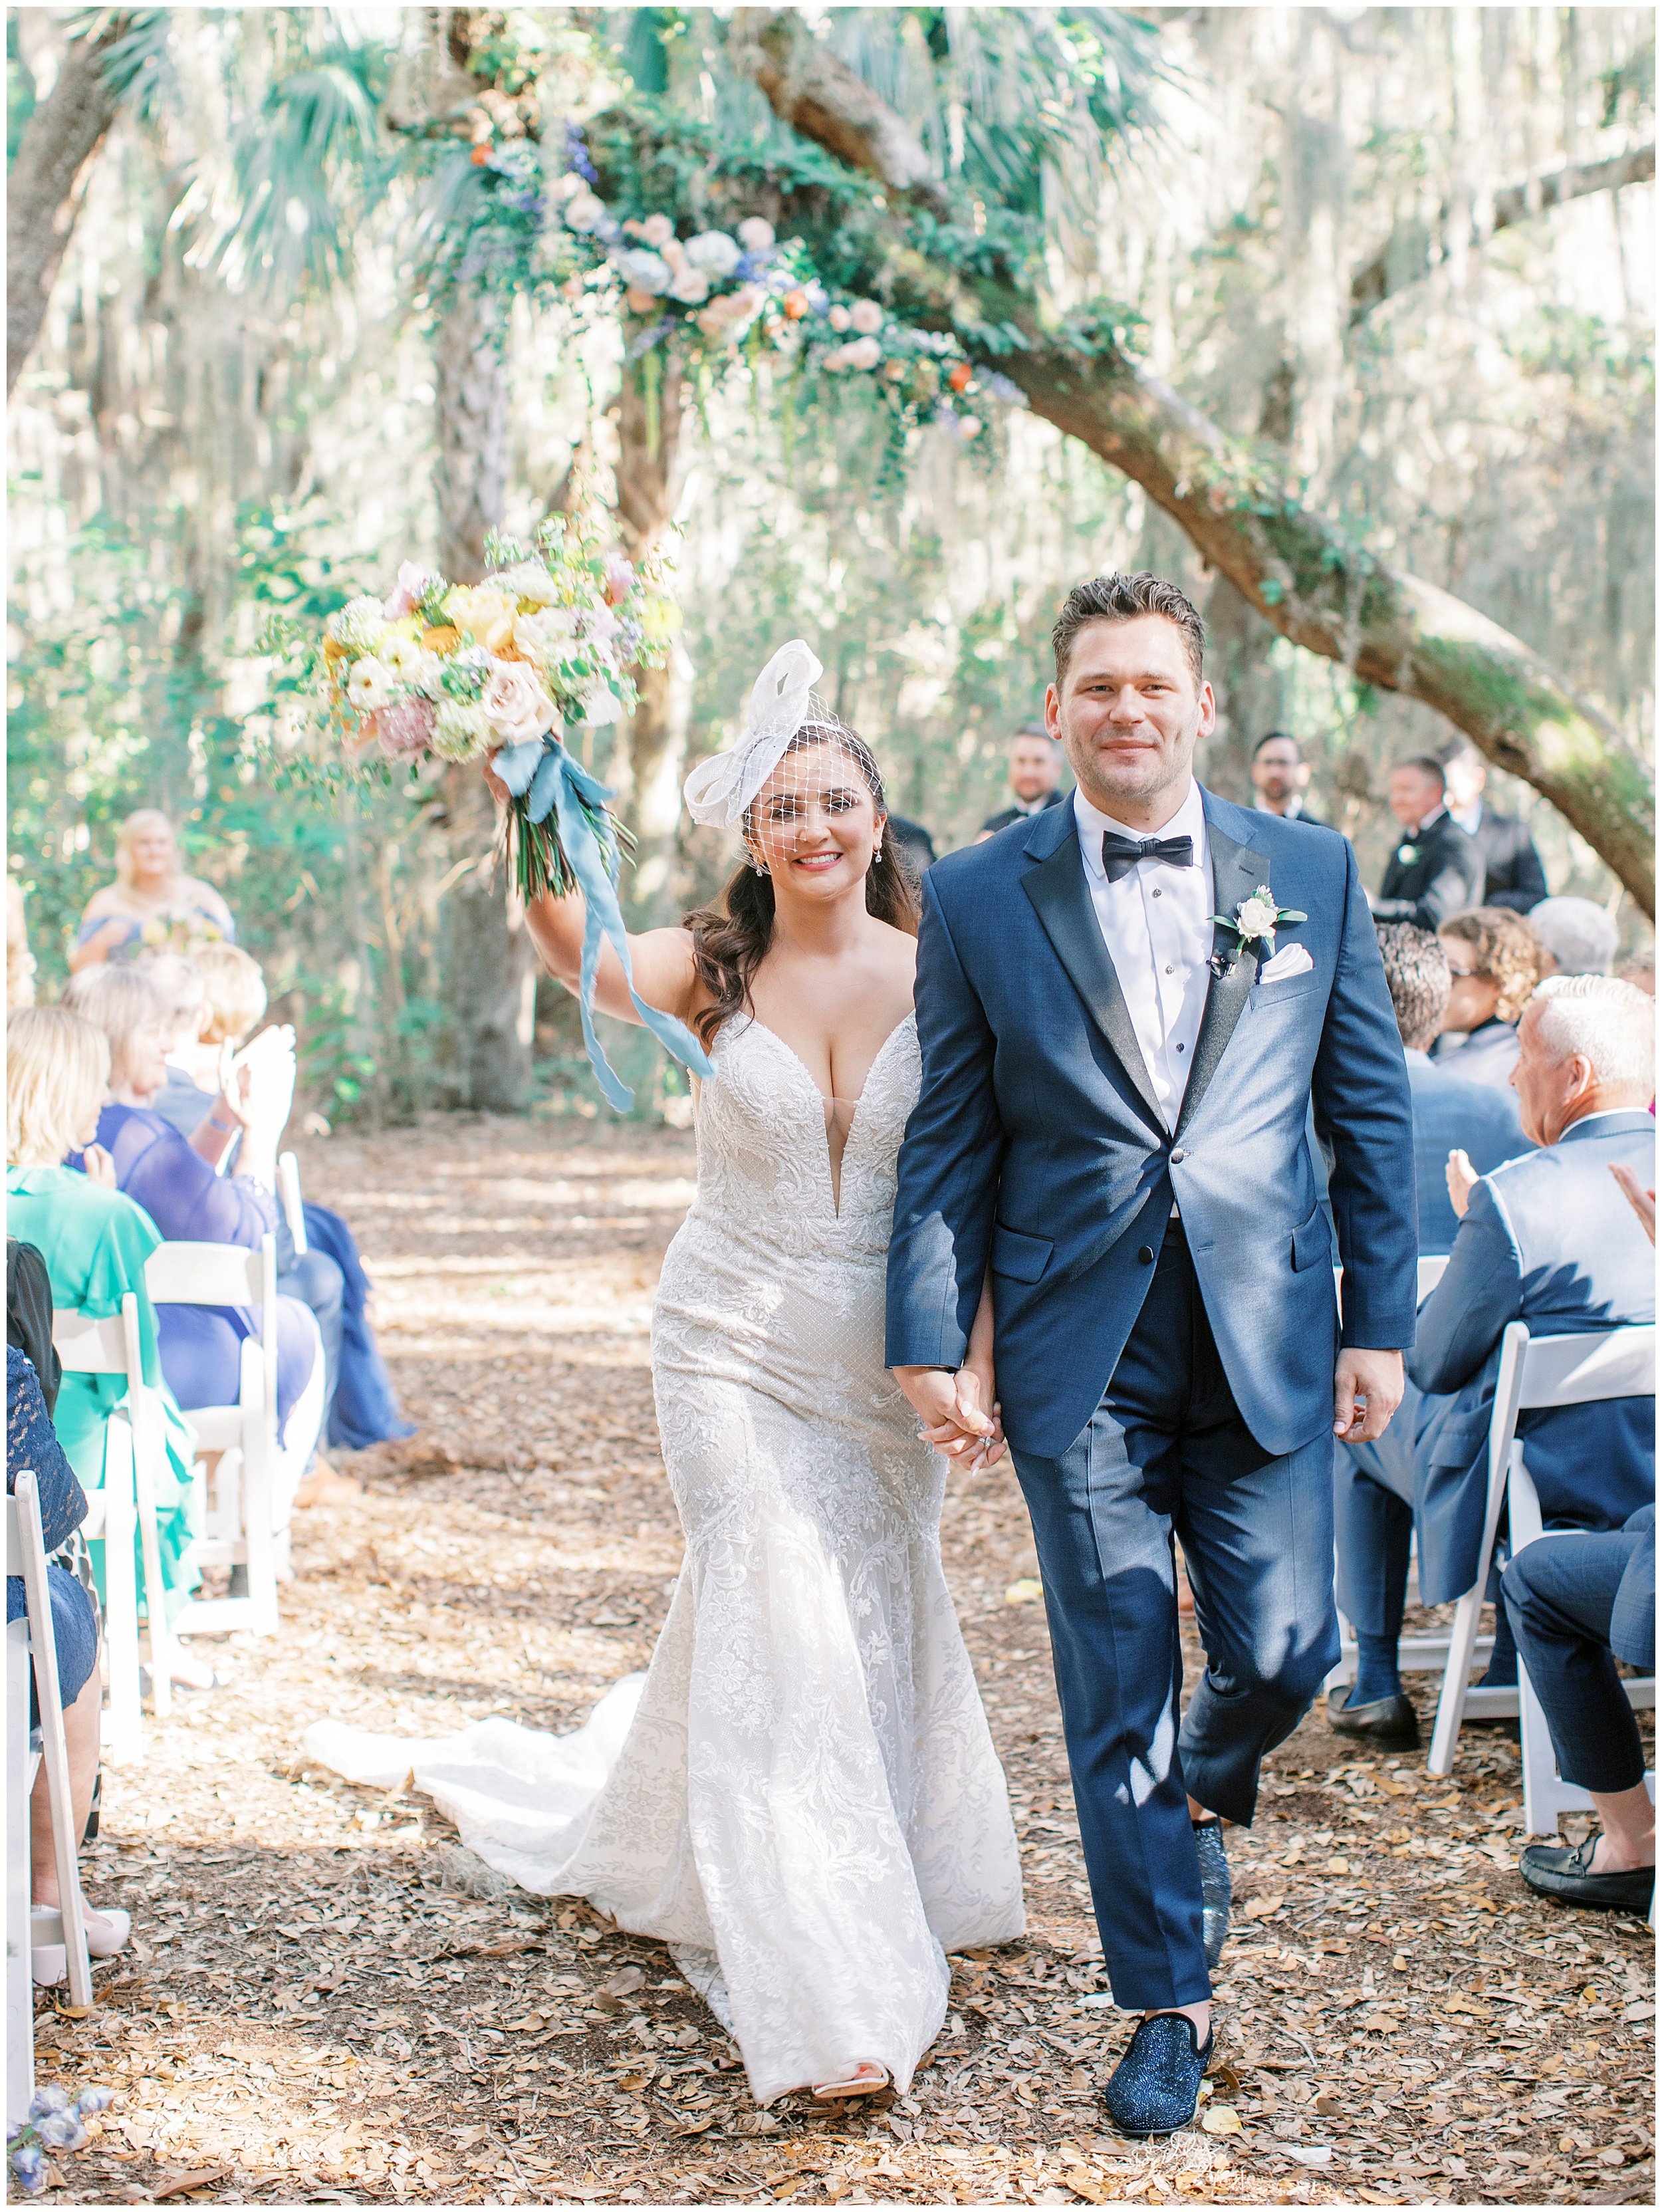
(321,2006)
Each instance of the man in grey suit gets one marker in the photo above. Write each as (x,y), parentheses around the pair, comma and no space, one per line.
(1374,1484)
(1130,1009)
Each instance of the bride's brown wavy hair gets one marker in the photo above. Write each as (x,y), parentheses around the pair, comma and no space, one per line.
(731,940)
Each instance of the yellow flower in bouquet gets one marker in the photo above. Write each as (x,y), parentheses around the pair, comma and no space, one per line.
(481,609)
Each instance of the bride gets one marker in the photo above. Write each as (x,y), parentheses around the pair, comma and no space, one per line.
(801,1796)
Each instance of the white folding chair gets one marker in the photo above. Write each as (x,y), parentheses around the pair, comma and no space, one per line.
(288,1190)
(236,1518)
(31,1642)
(1547,1795)
(1534,1372)
(1415,1654)
(88,1344)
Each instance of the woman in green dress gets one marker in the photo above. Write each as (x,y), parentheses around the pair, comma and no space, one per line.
(94,1243)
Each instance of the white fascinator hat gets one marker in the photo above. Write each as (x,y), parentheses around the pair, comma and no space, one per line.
(720,789)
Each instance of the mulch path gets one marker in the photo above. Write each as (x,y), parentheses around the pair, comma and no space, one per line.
(326,2003)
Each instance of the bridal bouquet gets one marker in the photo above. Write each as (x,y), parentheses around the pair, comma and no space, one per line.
(456,672)
(449,672)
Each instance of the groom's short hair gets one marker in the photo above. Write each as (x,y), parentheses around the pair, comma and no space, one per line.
(1120,599)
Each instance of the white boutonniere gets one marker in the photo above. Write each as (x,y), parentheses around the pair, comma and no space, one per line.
(1254,921)
(1407,854)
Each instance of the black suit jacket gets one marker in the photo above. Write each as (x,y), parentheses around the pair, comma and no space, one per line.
(1002,819)
(1513,874)
(1432,875)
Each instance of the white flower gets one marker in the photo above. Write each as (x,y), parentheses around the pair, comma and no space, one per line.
(459,731)
(838,319)
(866,316)
(714,252)
(370,684)
(859,353)
(755,234)
(584,212)
(602,705)
(1257,915)
(400,657)
(515,704)
(357,625)
(544,634)
(657,230)
(642,271)
(526,579)
(691,287)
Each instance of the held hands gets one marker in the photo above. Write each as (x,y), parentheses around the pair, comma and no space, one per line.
(1462,1179)
(957,1413)
(1367,1389)
(494,783)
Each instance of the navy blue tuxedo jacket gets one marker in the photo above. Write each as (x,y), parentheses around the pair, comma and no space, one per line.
(1549,1239)
(1037,1148)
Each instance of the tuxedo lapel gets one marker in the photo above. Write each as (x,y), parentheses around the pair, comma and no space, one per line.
(1236,872)
(1061,898)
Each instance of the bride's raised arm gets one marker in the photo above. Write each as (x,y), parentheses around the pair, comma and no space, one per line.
(666,973)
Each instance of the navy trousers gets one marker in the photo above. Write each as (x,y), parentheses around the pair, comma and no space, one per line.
(1374,1511)
(1559,1592)
(1167,1449)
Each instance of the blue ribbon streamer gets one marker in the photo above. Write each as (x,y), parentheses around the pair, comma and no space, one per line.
(544,773)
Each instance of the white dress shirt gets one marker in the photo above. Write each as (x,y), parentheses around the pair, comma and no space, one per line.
(1155,922)
(1467,816)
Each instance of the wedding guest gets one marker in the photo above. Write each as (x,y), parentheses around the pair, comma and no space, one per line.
(1373,1487)
(1436,870)
(1577,1604)
(201,1346)
(913,843)
(1036,771)
(32,1446)
(1513,877)
(1450,1112)
(362,1407)
(1494,963)
(152,900)
(94,1243)
(1281,776)
(1546,1239)
(1576,937)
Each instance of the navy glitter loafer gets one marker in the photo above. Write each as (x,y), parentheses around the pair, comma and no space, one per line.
(1214,1891)
(1157,2085)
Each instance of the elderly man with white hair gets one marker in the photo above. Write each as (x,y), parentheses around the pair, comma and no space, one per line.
(1575,935)
(1549,1239)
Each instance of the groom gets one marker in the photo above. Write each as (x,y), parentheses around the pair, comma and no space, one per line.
(1121,1049)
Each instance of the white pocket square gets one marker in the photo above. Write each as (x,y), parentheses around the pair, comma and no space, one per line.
(1291,960)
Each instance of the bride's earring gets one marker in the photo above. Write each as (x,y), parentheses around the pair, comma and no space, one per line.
(877,852)
(760,868)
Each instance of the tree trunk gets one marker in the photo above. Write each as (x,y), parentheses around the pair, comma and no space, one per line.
(1301,573)
(490,969)
(1249,691)
(48,183)
(651,467)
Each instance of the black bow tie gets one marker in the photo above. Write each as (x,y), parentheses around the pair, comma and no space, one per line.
(1121,854)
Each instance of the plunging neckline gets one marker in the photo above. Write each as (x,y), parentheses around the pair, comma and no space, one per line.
(833,1164)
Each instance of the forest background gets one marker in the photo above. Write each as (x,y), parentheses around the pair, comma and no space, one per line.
(1399,261)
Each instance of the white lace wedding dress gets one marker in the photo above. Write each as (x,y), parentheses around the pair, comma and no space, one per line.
(801,1796)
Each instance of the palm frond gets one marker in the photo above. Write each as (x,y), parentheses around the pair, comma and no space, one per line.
(281,213)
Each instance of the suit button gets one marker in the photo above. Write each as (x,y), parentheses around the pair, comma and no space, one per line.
(1145,1254)
(1180,1154)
